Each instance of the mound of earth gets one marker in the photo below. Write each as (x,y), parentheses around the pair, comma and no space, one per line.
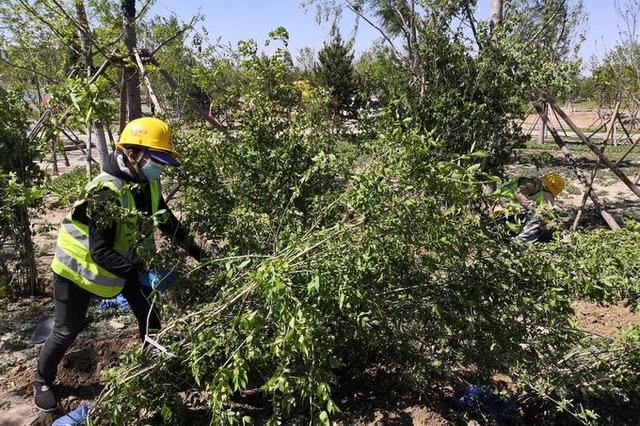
(78,380)
(606,320)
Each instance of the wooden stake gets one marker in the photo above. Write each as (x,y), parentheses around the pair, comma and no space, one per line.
(596,131)
(64,153)
(38,125)
(627,152)
(585,195)
(76,142)
(535,123)
(632,186)
(54,156)
(147,83)
(608,218)
(560,123)
(625,129)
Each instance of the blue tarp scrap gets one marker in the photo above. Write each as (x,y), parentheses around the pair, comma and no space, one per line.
(476,398)
(76,417)
(117,303)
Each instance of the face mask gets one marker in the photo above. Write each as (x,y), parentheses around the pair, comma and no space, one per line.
(152,170)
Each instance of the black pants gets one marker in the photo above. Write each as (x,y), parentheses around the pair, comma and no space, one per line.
(71,304)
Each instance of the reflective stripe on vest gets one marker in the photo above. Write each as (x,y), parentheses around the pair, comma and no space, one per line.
(73,256)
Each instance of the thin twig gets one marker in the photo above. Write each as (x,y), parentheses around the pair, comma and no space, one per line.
(396,52)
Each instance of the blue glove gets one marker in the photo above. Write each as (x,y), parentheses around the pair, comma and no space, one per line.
(117,303)
(158,279)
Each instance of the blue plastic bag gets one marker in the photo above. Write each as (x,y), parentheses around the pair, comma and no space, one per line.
(117,303)
(158,279)
(74,418)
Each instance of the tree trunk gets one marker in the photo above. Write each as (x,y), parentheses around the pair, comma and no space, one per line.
(87,50)
(543,128)
(131,75)
(101,143)
(30,285)
(123,103)
(88,151)
(497,8)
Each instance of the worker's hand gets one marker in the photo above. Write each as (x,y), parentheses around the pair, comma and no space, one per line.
(158,279)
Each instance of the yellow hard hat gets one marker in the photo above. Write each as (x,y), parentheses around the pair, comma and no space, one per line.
(148,132)
(554,183)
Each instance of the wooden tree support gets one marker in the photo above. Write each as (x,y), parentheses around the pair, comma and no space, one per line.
(631,185)
(147,83)
(201,111)
(633,145)
(624,129)
(69,109)
(64,153)
(597,130)
(76,142)
(38,126)
(608,218)
(54,156)
(585,195)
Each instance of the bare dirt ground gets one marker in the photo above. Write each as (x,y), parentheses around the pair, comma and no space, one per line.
(586,118)
(102,342)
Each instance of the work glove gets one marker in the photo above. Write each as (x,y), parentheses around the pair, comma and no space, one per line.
(158,279)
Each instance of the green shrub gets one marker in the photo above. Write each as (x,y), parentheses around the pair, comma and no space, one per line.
(19,179)
(599,266)
(68,186)
(402,274)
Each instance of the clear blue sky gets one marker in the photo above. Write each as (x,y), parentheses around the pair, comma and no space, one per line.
(243,19)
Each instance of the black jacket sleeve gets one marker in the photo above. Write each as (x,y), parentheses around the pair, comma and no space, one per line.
(102,236)
(177,232)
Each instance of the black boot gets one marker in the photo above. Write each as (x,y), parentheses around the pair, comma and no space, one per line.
(44,397)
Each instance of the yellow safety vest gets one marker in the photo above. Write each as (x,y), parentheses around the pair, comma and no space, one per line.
(509,191)
(73,257)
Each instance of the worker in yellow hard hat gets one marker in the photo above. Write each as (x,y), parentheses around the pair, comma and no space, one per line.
(96,253)
(530,192)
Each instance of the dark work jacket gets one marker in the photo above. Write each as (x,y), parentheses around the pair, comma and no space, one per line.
(101,239)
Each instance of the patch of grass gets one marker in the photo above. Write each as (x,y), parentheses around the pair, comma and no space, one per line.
(585,105)
(572,189)
(68,185)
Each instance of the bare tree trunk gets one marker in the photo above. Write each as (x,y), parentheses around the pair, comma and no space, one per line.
(87,49)
(497,8)
(88,152)
(131,75)
(30,287)
(101,143)
(543,128)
